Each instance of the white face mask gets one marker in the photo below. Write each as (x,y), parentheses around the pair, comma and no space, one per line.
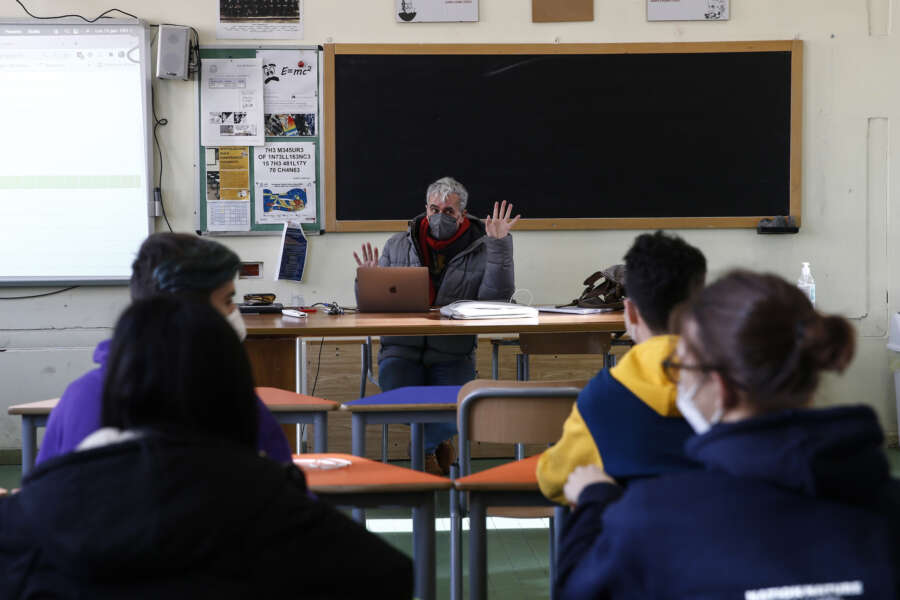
(690,412)
(235,319)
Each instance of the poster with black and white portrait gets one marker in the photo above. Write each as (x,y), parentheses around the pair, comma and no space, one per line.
(259,19)
(432,11)
(688,10)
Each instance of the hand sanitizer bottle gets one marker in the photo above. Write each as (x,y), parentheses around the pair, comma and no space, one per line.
(807,284)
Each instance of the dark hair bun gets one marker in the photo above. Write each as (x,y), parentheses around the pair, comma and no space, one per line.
(830,342)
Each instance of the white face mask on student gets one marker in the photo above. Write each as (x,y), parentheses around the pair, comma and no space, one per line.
(685,402)
(236,320)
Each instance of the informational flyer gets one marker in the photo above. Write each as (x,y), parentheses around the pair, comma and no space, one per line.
(292,256)
(687,10)
(285,174)
(259,19)
(425,11)
(231,102)
(290,92)
(228,188)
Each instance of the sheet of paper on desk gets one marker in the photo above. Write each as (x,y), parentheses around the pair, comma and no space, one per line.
(231,101)
(572,310)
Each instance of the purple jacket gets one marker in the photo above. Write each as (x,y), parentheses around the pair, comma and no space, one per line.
(78,415)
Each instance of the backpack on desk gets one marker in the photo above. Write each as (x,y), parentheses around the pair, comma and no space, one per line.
(604,289)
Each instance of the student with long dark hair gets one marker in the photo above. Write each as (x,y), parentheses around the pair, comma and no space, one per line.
(792,502)
(169,499)
(167,263)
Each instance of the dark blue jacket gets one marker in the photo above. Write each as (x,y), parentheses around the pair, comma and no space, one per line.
(794,505)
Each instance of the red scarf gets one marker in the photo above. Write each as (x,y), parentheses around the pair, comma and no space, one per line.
(429,245)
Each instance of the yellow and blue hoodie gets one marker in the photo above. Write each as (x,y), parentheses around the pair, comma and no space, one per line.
(625,420)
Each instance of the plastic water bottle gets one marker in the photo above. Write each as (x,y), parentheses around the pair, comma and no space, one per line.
(807,284)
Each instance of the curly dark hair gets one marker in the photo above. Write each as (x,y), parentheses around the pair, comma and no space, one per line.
(661,271)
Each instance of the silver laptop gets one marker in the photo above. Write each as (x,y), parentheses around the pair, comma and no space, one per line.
(392,289)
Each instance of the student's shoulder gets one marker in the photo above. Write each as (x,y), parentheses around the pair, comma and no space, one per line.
(599,387)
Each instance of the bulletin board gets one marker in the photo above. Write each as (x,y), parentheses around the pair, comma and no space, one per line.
(292,135)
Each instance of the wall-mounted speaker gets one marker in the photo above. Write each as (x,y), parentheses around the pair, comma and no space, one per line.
(172,52)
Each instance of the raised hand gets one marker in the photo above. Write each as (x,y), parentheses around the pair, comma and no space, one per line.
(369,256)
(499,224)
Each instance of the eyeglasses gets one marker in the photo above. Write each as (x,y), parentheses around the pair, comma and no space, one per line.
(672,367)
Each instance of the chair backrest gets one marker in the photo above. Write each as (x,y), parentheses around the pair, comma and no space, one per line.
(511,412)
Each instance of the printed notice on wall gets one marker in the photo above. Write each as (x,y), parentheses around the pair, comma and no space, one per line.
(293,252)
(290,92)
(231,102)
(423,11)
(285,174)
(688,10)
(259,19)
(228,188)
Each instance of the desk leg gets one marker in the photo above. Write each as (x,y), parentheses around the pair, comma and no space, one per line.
(424,548)
(477,549)
(320,422)
(29,443)
(417,446)
(358,448)
(456,557)
(495,360)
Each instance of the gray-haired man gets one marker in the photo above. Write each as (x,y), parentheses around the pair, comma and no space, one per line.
(467,259)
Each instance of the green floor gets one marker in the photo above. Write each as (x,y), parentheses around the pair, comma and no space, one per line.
(517,559)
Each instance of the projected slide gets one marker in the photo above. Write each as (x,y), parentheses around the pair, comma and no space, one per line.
(73,165)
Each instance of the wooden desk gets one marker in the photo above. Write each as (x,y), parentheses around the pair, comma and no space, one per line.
(34,415)
(368,484)
(319,324)
(510,484)
(273,366)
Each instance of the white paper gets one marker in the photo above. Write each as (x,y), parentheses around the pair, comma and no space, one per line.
(231,102)
(285,174)
(687,10)
(290,90)
(258,19)
(228,215)
(421,11)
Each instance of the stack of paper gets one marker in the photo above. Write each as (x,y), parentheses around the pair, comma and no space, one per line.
(473,309)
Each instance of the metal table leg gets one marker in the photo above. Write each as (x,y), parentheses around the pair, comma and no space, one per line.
(424,548)
(358,448)
(477,548)
(29,443)
(417,446)
(321,425)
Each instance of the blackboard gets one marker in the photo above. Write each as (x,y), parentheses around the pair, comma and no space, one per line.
(576,136)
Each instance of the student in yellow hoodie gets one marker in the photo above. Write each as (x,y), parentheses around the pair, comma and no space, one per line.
(625,419)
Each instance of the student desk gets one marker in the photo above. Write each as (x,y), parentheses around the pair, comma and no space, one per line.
(34,415)
(369,484)
(318,324)
(286,407)
(510,484)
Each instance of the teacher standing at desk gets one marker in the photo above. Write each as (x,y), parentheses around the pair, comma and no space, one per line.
(467,259)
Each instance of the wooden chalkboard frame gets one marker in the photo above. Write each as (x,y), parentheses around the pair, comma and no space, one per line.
(795,47)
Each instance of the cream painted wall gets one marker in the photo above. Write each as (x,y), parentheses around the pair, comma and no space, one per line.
(851,107)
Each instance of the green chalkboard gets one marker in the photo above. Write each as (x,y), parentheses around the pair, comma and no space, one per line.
(257,228)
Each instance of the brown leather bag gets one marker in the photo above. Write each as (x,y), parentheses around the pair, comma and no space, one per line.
(604,289)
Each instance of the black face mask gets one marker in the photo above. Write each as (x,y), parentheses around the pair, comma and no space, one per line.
(441,226)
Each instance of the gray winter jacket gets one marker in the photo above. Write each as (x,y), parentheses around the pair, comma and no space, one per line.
(483,271)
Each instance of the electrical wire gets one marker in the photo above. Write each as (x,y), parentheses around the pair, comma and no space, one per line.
(157,123)
(318,366)
(85,19)
(59,291)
